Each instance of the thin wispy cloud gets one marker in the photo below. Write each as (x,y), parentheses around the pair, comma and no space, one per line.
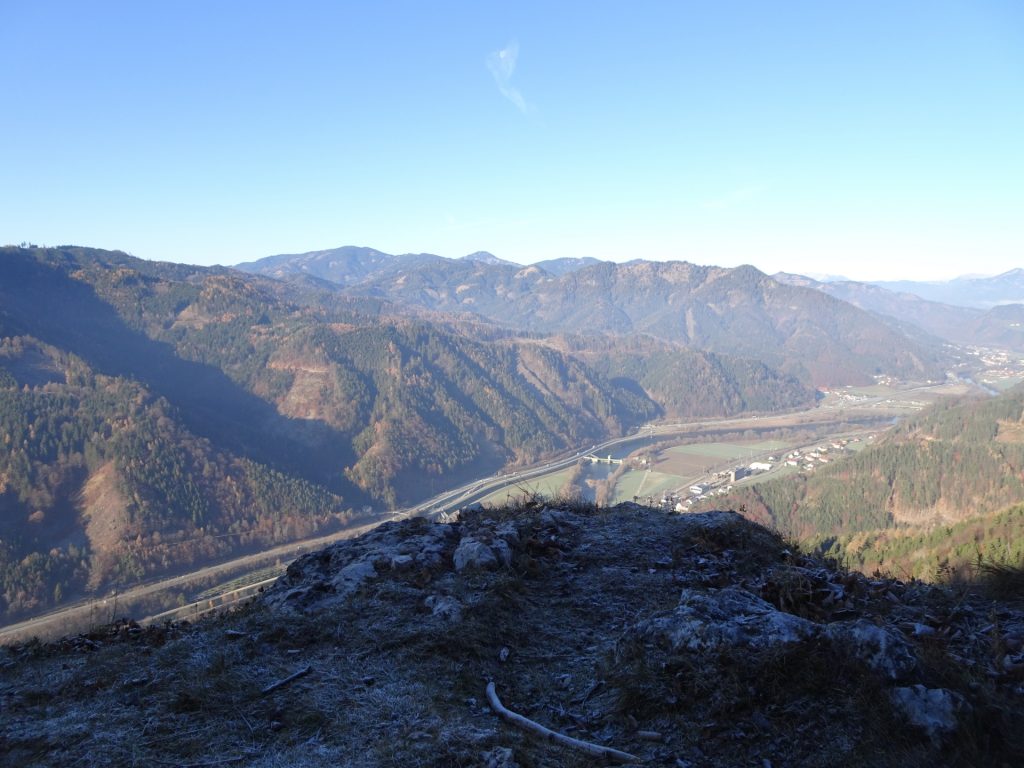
(503,65)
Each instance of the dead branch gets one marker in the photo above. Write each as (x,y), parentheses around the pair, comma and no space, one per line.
(526,724)
(280,683)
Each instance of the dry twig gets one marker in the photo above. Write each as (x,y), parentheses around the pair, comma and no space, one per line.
(526,724)
(280,683)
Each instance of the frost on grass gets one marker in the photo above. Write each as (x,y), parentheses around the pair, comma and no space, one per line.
(699,640)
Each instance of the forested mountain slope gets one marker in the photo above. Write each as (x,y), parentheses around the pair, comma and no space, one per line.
(102,485)
(688,382)
(927,492)
(326,391)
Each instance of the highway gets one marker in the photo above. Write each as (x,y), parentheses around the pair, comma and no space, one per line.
(70,617)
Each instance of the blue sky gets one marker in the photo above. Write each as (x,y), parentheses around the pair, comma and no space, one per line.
(869,139)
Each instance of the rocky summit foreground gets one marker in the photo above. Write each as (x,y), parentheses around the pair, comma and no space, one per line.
(674,640)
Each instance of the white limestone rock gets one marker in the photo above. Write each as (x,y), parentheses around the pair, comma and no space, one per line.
(507,532)
(729,617)
(352,576)
(933,710)
(558,518)
(883,651)
(472,553)
(336,572)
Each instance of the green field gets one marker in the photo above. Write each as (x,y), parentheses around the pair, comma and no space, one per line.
(727,451)
(692,460)
(641,482)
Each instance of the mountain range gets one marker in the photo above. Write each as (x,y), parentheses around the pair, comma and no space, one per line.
(977,292)
(1001,325)
(158,416)
(740,312)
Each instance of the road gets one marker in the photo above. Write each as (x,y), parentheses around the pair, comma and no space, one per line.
(83,610)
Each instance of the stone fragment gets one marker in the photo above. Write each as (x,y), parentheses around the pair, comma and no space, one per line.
(399,562)
(448,608)
(472,553)
(558,518)
(507,532)
(352,576)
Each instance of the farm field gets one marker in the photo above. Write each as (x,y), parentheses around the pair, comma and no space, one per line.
(690,461)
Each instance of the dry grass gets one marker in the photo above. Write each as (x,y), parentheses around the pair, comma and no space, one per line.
(1001,581)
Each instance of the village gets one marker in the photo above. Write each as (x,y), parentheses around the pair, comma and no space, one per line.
(722,482)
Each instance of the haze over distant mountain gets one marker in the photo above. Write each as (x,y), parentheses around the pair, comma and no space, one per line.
(353,264)
(1001,326)
(347,265)
(488,258)
(979,292)
(739,312)
(567,264)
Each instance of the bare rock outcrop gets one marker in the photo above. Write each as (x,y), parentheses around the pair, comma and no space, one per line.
(699,639)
